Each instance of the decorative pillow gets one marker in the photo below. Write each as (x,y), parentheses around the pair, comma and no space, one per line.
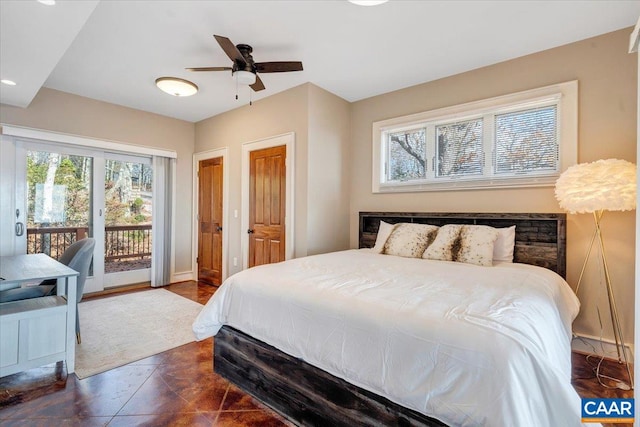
(472,244)
(384,231)
(410,240)
(503,247)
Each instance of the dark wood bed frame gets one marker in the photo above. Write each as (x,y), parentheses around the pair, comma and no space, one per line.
(309,396)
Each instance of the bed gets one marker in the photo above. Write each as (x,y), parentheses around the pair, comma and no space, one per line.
(362,338)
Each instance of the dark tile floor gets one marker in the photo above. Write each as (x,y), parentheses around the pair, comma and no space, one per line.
(174,388)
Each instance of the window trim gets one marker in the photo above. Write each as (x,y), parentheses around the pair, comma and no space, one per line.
(566,96)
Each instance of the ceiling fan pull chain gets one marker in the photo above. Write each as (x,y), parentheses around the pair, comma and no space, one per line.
(236,89)
(250,101)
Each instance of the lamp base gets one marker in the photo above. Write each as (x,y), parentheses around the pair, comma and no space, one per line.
(613,310)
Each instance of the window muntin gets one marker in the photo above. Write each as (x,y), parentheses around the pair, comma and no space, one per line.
(523,139)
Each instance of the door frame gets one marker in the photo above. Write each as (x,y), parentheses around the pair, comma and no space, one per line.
(197,158)
(288,140)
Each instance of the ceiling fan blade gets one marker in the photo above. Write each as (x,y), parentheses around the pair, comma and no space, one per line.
(231,50)
(258,85)
(208,69)
(278,66)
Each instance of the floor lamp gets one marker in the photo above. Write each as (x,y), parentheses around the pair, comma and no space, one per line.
(603,185)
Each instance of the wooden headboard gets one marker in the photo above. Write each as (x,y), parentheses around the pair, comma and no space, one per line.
(541,239)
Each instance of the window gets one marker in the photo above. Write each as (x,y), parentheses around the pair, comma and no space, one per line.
(520,140)
(459,149)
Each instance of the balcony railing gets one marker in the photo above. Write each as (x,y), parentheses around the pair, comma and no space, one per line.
(127,241)
(127,247)
(53,241)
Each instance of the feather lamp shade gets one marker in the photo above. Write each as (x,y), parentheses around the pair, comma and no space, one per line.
(601,185)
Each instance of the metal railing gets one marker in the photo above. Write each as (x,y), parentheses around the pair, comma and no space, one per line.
(121,241)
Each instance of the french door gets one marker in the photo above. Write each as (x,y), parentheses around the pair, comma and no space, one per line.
(66,193)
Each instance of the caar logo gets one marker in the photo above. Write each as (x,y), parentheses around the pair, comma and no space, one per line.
(607,410)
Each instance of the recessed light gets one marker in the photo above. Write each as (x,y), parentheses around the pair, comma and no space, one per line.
(48,2)
(367,2)
(8,82)
(176,87)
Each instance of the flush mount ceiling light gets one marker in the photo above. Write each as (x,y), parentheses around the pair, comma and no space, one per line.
(176,87)
(244,77)
(367,2)
(8,82)
(47,2)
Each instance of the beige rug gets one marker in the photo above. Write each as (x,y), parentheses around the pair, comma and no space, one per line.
(125,328)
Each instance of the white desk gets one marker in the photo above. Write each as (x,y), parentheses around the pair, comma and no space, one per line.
(37,331)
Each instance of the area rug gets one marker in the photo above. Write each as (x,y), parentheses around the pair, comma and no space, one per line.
(125,328)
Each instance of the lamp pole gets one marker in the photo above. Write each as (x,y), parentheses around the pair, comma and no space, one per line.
(613,310)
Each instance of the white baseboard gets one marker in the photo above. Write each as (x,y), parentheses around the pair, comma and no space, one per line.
(601,347)
(182,276)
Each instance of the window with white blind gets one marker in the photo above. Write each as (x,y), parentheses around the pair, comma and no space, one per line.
(519,140)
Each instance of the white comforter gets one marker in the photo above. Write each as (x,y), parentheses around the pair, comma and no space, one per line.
(469,345)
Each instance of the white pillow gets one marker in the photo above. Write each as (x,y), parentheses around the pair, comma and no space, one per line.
(472,244)
(384,231)
(503,246)
(410,240)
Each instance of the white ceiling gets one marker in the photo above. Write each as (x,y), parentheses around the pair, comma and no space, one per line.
(113,50)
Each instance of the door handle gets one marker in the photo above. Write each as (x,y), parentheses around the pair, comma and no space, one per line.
(218,228)
(250,231)
(19,229)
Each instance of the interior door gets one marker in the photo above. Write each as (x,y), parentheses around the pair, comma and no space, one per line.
(267,202)
(210,220)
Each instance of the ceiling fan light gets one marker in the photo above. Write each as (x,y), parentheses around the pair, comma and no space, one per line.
(176,87)
(244,77)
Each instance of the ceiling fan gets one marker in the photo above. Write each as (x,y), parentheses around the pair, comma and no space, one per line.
(244,69)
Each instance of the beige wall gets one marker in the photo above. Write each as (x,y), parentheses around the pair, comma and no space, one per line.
(62,112)
(607,129)
(320,121)
(328,172)
(276,115)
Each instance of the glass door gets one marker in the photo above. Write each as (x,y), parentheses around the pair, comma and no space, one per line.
(59,203)
(128,212)
(66,193)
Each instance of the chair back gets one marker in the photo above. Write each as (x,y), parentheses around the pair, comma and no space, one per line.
(78,257)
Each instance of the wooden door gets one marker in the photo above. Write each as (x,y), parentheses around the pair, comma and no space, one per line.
(267,202)
(210,221)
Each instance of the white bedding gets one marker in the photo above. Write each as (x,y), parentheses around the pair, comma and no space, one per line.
(469,345)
